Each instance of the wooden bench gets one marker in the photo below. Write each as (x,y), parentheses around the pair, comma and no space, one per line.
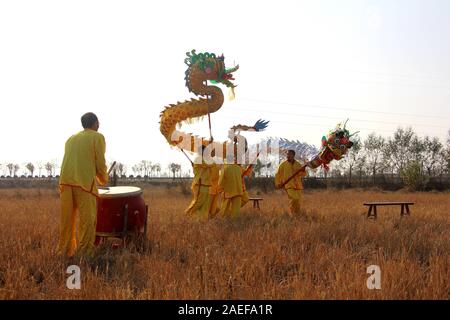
(256,202)
(372,213)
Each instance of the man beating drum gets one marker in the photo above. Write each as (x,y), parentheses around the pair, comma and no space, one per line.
(83,166)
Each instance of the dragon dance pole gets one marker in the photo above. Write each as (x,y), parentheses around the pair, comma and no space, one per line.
(209,121)
(209,117)
(192,163)
(251,165)
(293,175)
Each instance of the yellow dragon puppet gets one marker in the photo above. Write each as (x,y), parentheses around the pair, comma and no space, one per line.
(202,67)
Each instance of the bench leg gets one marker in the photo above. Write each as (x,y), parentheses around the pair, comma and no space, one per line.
(257,205)
(375,212)
(407,210)
(254,204)
(402,212)
(369,213)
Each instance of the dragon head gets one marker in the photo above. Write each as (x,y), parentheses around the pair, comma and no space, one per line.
(210,67)
(338,141)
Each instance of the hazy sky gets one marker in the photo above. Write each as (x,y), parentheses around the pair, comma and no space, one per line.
(304,65)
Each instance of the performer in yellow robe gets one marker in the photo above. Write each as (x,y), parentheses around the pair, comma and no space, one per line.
(82,167)
(214,193)
(230,182)
(201,183)
(294,187)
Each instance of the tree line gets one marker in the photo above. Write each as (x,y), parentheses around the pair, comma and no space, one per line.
(11,169)
(143,169)
(412,158)
(399,154)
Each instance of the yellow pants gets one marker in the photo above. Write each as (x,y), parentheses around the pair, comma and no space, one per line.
(295,200)
(231,207)
(213,205)
(76,202)
(200,204)
(245,199)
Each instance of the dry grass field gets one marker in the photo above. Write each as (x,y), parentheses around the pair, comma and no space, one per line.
(264,254)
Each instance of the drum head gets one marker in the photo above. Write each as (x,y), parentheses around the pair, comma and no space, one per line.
(119,192)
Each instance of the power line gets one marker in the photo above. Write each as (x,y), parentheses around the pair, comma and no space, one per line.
(345,109)
(368,82)
(397,84)
(411,76)
(322,126)
(338,118)
(425,85)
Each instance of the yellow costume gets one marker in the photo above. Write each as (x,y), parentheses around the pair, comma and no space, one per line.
(200,189)
(214,190)
(294,187)
(83,164)
(230,182)
(245,173)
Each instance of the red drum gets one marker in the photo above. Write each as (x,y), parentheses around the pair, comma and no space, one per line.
(120,210)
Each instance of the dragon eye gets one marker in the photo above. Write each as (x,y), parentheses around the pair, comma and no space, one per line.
(342,146)
(336,141)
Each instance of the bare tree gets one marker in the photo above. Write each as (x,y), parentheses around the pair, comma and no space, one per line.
(157,168)
(10,167)
(352,159)
(16,169)
(398,150)
(373,148)
(50,168)
(146,167)
(121,169)
(432,149)
(152,169)
(335,172)
(174,168)
(442,164)
(40,166)
(30,167)
(137,169)
(361,165)
(417,149)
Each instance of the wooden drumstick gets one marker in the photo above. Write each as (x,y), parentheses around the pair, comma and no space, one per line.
(112,167)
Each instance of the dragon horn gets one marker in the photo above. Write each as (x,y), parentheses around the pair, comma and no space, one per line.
(233,69)
(345,123)
(353,134)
